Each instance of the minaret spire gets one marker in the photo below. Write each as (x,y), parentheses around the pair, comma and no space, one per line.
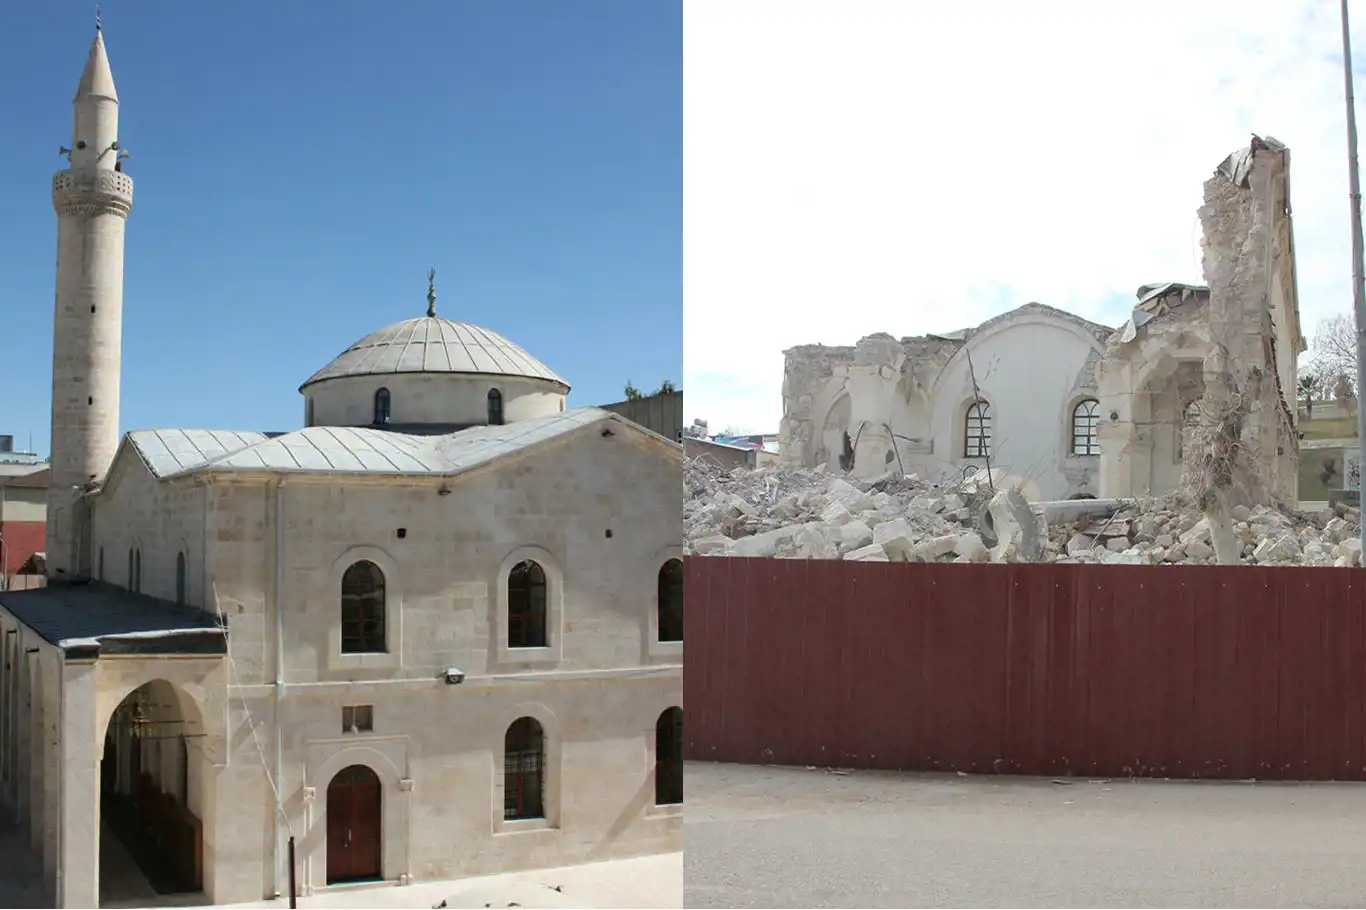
(431,292)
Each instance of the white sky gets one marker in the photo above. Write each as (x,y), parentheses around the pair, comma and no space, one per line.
(908,166)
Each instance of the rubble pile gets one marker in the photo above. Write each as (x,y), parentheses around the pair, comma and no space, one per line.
(816,514)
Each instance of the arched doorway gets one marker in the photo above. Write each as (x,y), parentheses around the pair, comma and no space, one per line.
(151,837)
(355,803)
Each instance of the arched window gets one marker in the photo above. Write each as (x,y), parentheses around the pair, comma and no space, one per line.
(495,407)
(977,426)
(308,412)
(101,569)
(526,606)
(1190,426)
(1086,428)
(382,407)
(524,770)
(362,608)
(131,579)
(669,758)
(137,570)
(180,578)
(670,594)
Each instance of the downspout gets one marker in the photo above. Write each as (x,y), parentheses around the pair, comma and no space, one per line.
(279,678)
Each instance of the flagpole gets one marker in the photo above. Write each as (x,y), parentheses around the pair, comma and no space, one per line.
(1358,266)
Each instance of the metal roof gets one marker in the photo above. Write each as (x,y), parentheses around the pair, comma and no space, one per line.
(174,451)
(364,450)
(82,615)
(431,344)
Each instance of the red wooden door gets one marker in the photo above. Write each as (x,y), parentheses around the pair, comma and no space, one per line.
(354,844)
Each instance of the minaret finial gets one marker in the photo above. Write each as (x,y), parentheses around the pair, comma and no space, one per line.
(97,17)
(431,292)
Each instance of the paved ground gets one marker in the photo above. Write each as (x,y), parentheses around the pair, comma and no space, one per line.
(771,837)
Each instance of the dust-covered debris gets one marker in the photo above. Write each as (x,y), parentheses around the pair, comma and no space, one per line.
(816,514)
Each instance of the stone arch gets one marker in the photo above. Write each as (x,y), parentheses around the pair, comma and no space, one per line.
(393,605)
(394,809)
(1029,314)
(553,732)
(661,556)
(157,754)
(554,607)
(825,449)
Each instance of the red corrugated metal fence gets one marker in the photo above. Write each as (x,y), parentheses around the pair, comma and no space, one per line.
(1229,672)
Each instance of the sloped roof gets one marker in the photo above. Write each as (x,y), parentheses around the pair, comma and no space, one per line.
(431,344)
(365,450)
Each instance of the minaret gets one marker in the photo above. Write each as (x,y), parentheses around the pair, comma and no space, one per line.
(92,198)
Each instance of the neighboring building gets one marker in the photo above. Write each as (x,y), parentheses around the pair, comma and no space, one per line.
(23,524)
(661,412)
(1066,407)
(435,633)
(728,456)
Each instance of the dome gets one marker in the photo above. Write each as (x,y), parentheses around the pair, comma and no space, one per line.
(430,344)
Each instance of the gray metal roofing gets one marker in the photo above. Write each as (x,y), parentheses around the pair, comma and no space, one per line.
(354,450)
(76,614)
(431,344)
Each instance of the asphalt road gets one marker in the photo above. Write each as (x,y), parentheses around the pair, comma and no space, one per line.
(779,837)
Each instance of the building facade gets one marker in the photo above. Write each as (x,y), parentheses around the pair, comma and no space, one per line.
(436,632)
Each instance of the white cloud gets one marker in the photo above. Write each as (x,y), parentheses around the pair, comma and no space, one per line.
(854,166)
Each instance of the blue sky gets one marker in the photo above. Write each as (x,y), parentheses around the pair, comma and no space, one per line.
(299,166)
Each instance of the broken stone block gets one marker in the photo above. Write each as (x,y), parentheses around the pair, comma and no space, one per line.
(1130,557)
(970,548)
(855,534)
(761,545)
(836,513)
(1017,528)
(935,547)
(1281,549)
(1198,549)
(1117,544)
(896,539)
(870,553)
(1079,543)
(853,499)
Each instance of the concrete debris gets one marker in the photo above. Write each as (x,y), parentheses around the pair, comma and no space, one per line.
(815,514)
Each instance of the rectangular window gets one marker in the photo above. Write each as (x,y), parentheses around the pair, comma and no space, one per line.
(358,718)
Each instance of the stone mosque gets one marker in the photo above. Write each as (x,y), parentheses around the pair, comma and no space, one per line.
(435,633)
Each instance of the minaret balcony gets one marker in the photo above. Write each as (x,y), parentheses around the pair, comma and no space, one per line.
(92,192)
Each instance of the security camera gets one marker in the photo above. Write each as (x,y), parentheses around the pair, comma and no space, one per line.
(454,676)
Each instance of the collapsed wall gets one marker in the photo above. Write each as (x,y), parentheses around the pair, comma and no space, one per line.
(817,514)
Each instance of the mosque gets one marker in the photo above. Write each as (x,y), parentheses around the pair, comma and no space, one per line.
(436,632)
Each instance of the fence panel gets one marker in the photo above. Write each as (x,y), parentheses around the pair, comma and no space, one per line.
(1181,671)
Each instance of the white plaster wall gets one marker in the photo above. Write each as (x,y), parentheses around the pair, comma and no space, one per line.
(451,398)
(1028,370)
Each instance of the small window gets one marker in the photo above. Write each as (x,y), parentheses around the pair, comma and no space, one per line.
(524,770)
(131,578)
(137,570)
(382,413)
(1086,428)
(362,609)
(180,579)
(669,758)
(527,606)
(670,597)
(977,439)
(495,407)
(100,576)
(358,718)
(308,412)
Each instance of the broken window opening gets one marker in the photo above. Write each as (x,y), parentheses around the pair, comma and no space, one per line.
(977,438)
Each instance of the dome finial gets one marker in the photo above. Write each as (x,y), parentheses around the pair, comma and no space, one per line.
(431,292)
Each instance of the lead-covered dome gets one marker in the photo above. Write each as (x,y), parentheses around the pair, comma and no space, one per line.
(431,344)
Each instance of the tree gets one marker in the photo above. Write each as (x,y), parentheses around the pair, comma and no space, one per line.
(666,387)
(1309,389)
(633,393)
(1333,352)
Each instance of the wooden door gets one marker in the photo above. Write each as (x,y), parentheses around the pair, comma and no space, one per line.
(354,844)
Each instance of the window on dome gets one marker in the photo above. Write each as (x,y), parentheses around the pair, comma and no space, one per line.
(382,407)
(495,407)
